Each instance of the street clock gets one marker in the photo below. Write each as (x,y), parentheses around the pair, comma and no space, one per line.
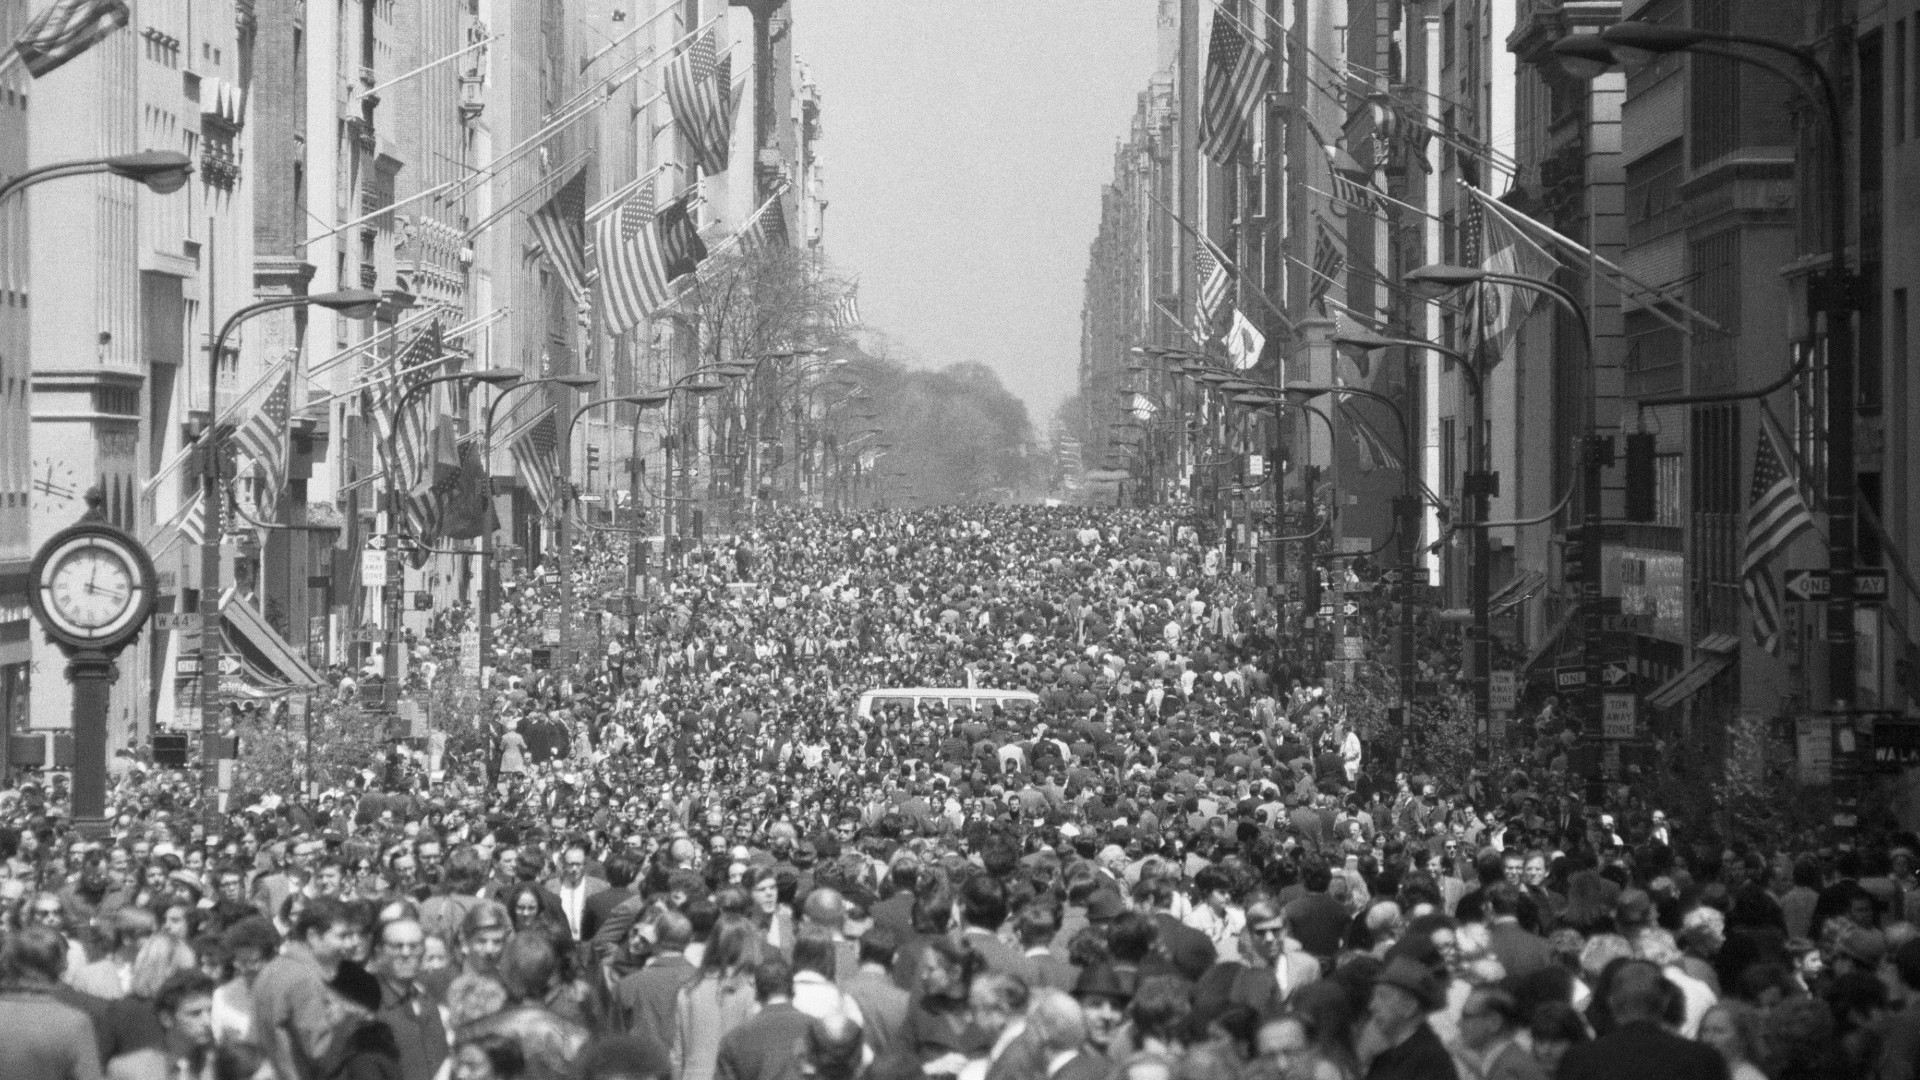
(93,587)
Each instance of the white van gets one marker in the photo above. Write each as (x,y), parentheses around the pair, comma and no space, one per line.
(956,699)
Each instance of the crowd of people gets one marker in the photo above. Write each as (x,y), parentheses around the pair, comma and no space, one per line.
(678,848)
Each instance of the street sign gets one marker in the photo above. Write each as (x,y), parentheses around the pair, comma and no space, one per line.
(1614,673)
(186,667)
(1353,648)
(1503,691)
(1350,609)
(373,567)
(1617,716)
(1570,678)
(1813,586)
(1627,624)
(367,633)
(1896,743)
(1326,609)
(176,620)
(1402,576)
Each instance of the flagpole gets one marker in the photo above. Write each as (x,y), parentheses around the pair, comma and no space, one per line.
(372,90)
(599,209)
(180,456)
(1579,250)
(1235,270)
(544,186)
(388,209)
(624,38)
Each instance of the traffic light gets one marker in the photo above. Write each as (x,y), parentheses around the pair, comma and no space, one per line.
(1640,478)
(1575,558)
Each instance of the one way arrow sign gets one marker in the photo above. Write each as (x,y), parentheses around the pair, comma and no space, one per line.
(1807,585)
(1615,674)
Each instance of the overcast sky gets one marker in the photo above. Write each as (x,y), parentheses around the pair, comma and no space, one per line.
(966,145)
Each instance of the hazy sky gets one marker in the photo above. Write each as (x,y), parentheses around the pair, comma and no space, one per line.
(966,145)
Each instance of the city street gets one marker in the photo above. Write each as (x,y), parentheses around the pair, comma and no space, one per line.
(833,540)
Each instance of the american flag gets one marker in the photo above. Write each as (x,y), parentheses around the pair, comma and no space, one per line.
(264,439)
(1328,261)
(188,523)
(1216,281)
(1142,407)
(1237,74)
(847,314)
(66,29)
(405,439)
(558,227)
(536,453)
(681,249)
(767,228)
(700,92)
(633,269)
(1778,511)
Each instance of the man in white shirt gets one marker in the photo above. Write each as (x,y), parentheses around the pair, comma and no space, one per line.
(574,886)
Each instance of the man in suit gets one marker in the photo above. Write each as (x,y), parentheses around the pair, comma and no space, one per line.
(573,887)
(825,911)
(645,999)
(882,1003)
(982,909)
(1487,1048)
(621,870)
(1185,951)
(1035,927)
(1317,920)
(1520,952)
(405,1006)
(766,1046)
(1640,1045)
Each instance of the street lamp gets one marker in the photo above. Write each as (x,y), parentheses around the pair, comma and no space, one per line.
(1838,293)
(1477,486)
(163,171)
(1439,279)
(354,303)
(395,588)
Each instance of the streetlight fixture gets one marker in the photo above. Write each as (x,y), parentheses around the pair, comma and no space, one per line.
(162,171)
(354,303)
(1584,56)
(1838,293)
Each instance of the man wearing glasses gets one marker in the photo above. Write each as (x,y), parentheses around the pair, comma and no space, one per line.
(404,1004)
(46,909)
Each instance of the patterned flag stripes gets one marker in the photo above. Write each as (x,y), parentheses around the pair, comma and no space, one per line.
(1504,249)
(1328,262)
(847,314)
(1216,281)
(559,227)
(264,439)
(188,523)
(633,271)
(1237,73)
(536,454)
(768,228)
(681,249)
(1777,512)
(1356,193)
(700,93)
(1142,407)
(404,440)
(66,29)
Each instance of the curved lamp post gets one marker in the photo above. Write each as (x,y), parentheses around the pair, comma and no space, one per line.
(354,303)
(162,171)
(1441,278)
(1838,293)
(395,589)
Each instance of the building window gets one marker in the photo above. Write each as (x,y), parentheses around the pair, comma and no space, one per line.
(1653,186)
(1669,490)
(1449,457)
(1446,36)
(1899,95)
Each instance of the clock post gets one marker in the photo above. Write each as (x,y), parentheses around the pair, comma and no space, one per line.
(92,594)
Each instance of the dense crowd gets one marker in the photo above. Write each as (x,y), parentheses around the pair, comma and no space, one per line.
(680,849)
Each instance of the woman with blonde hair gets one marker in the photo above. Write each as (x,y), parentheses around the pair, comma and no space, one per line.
(719,999)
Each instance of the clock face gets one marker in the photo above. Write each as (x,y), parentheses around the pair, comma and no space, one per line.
(93,585)
(56,487)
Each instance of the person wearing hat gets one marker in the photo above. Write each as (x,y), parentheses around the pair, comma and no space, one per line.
(1104,992)
(1395,1042)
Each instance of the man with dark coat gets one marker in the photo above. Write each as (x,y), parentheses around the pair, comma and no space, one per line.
(645,1000)
(765,1047)
(1640,1046)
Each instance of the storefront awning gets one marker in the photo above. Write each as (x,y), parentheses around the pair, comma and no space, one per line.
(267,656)
(1551,645)
(1516,592)
(1691,680)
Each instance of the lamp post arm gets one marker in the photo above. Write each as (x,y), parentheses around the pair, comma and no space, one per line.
(1549,289)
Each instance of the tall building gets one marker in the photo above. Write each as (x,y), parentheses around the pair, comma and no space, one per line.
(17,479)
